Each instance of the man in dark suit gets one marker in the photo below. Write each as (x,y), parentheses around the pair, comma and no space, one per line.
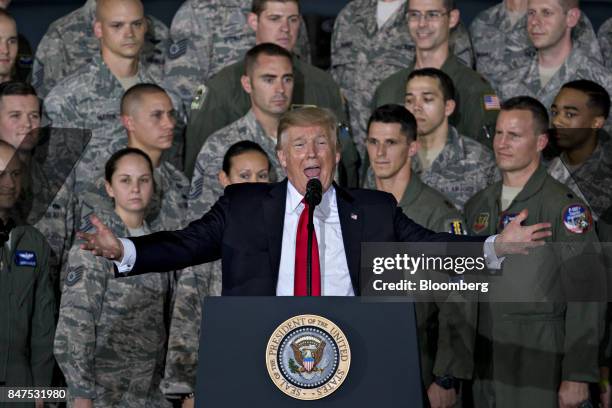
(253,227)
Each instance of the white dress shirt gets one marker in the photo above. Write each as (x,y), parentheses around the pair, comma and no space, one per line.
(335,277)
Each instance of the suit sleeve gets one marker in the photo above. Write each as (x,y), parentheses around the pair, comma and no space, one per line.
(198,243)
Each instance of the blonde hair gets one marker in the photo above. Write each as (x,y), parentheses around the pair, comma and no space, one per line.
(305,117)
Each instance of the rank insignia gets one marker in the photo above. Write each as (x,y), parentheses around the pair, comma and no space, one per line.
(74,276)
(456,227)
(577,219)
(176,49)
(481,223)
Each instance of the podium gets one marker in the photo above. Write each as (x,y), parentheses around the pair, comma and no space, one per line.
(384,368)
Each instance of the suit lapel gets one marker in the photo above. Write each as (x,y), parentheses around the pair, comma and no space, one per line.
(351,224)
(274,219)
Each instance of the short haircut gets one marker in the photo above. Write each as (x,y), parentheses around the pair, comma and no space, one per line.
(444,81)
(393,113)
(599,98)
(111,164)
(447,4)
(527,103)
(136,93)
(258,6)
(16,88)
(244,146)
(305,117)
(100,4)
(269,49)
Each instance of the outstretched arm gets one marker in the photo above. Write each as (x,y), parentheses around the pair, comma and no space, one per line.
(164,251)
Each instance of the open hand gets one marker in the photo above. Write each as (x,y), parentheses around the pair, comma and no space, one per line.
(102,242)
(518,239)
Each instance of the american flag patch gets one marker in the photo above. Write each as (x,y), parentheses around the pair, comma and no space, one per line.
(491,102)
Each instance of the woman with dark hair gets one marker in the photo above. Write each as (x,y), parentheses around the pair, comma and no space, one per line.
(111,337)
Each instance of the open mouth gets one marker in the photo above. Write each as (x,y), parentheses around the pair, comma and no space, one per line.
(312,172)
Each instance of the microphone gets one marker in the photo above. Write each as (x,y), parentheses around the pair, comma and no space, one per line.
(314,192)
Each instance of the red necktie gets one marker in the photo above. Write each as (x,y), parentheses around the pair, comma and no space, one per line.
(301,249)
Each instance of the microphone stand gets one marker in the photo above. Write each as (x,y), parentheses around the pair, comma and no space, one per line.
(309,249)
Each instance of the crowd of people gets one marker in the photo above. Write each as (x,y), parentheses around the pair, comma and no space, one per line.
(118,122)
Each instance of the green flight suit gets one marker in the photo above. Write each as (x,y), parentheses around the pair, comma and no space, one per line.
(223,101)
(27,311)
(446,330)
(525,349)
(477,104)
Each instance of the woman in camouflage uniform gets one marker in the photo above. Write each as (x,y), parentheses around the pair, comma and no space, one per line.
(111,338)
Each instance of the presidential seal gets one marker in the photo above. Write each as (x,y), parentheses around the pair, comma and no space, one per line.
(308,357)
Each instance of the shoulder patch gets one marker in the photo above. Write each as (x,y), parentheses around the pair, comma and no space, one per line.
(577,219)
(456,227)
(199,97)
(481,223)
(491,102)
(74,275)
(25,258)
(177,48)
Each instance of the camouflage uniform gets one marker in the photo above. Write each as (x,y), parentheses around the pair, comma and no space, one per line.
(27,311)
(477,107)
(205,187)
(525,80)
(502,48)
(111,337)
(593,179)
(87,99)
(462,168)
(605,41)
(70,43)
(364,54)
(518,341)
(207,36)
(224,102)
(445,329)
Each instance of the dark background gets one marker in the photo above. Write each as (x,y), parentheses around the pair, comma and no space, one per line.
(34,16)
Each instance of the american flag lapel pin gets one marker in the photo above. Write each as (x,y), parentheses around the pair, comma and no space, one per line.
(353,216)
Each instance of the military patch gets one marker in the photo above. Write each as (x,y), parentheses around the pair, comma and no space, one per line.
(505,219)
(491,102)
(308,357)
(456,227)
(74,276)
(25,258)
(577,219)
(199,97)
(178,48)
(481,223)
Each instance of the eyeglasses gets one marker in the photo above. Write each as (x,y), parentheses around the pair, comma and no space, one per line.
(430,15)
